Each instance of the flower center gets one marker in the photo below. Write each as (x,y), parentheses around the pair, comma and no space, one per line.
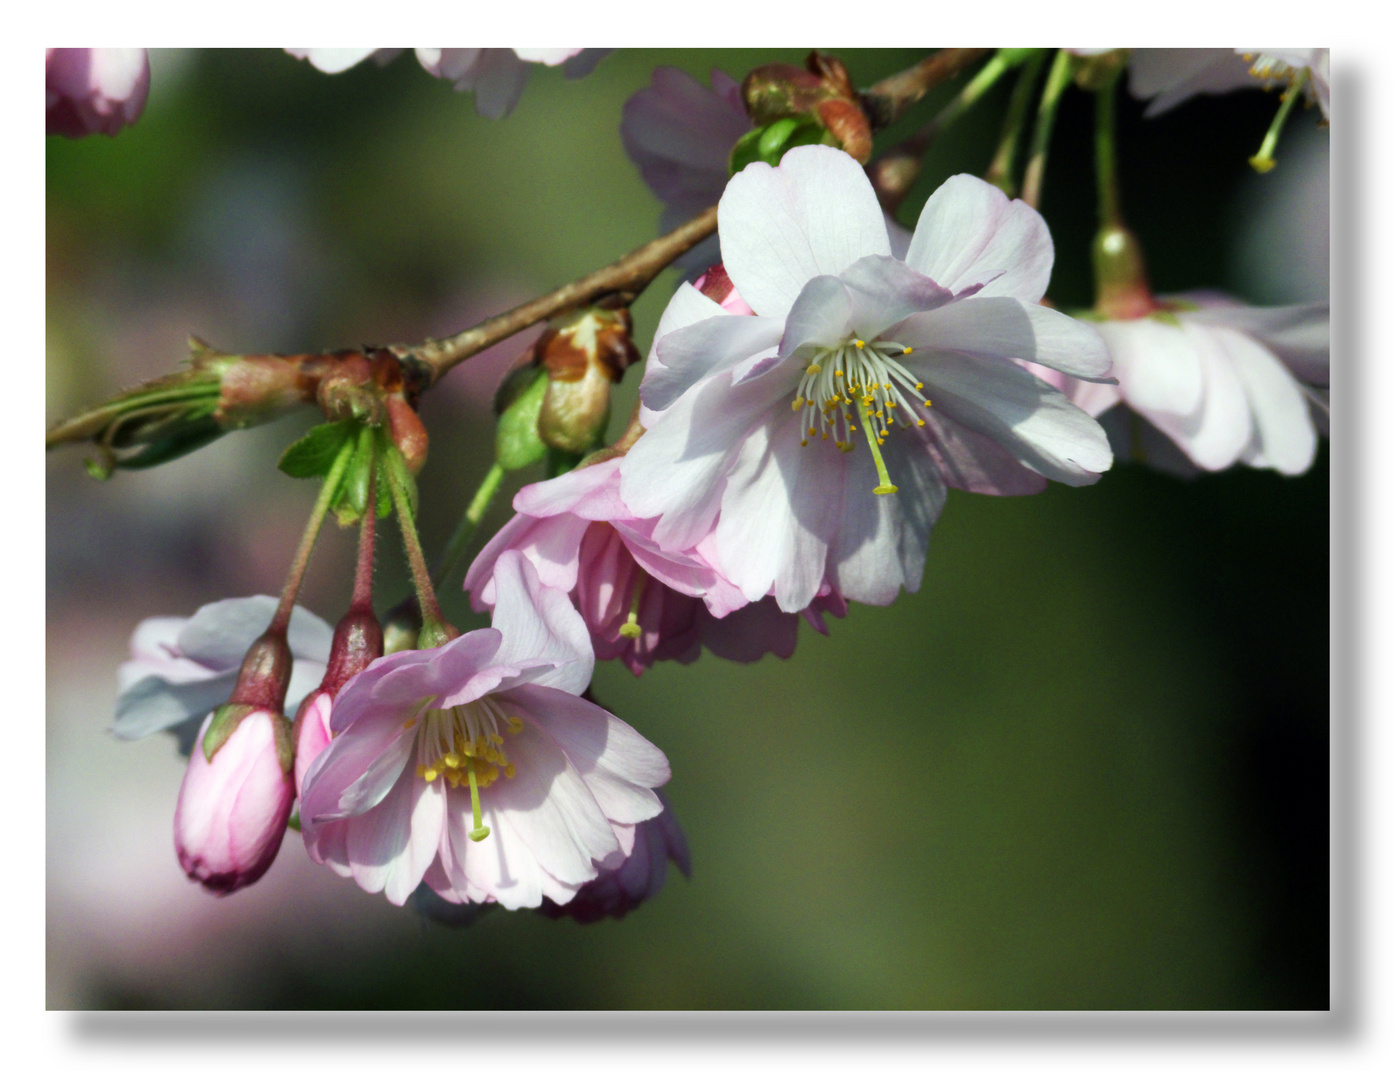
(463,745)
(859,381)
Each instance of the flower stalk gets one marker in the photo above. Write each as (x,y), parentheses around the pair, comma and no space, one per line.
(1058,78)
(1001,169)
(470,520)
(328,490)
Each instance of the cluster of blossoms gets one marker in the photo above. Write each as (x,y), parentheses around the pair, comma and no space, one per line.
(806,404)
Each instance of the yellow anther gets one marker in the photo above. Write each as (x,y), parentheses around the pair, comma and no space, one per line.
(804,442)
(824,435)
(515,724)
(497,739)
(838,374)
(858,343)
(906,350)
(920,386)
(429,775)
(407,726)
(795,405)
(509,771)
(452,760)
(920,422)
(813,369)
(927,403)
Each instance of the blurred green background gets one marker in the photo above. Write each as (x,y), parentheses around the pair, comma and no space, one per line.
(1096,774)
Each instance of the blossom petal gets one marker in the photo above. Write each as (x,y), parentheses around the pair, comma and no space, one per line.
(695,352)
(154,704)
(967,460)
(1034,421)
(539,625)
(881,543)
(779,512)
(1285,432)
(1221,428)
(425,829)
(885,291)
(619,765)
(813,214)
(1003,326)
(1157,366)
(548,805)
(676,468)
(971,233)
(379,838)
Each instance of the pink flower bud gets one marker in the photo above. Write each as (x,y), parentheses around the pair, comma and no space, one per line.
(233,810)
(92,91)
(313,732)
(716,285)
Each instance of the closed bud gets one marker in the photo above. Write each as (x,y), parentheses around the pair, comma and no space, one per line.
(234,805)
(583,358)
(820,99)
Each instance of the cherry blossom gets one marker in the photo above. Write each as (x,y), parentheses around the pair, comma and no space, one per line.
(641,603)
(816,438)
(94,91)
(1168,77)
(475,767)
(1217,380)
(497,76)
(180,668)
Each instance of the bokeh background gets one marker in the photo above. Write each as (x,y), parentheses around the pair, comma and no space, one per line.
(1084,767)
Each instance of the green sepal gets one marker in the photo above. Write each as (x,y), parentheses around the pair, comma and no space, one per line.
(294,821)
(314,453)
(226,719)
(770,143)
(351,501)
(516,440)
(285,748)
(188,438)
(391,461)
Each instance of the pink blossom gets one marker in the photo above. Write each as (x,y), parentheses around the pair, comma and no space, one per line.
(92,91)
(180,669)
(497,76)
(641,604)
(475,767)
(750,430)
(233,809)
(1168,77)
(1215,379)
(617,892)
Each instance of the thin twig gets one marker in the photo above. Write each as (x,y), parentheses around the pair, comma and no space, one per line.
(624,279)
(886,100)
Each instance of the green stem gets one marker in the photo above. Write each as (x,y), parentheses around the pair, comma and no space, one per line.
(1264,159)
(1057,80)
(1000,172)
(282,619)
(1106,172)
(479,505)
(421,576)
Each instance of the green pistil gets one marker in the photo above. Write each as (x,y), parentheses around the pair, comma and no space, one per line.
(631,628)
(886,487)
(481,830)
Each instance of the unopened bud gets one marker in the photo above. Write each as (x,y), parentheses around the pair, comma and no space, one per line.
(401,626)
(717,286)
(584,357)
(517,403)
(358,641)
(820,99)
(408,433)
(1122,286)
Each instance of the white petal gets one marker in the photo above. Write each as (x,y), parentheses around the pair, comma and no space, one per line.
(813,214)
(539,624)
(971,233)
(1034,421)
(1283,426)
(1003,326)
(702,349)
(1157,366)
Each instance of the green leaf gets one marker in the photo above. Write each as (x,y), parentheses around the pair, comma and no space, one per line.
(516,439)
(314,453)
(398,474)
(746,150)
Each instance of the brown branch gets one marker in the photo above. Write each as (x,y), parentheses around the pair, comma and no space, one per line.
(888,99)
(623,280)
